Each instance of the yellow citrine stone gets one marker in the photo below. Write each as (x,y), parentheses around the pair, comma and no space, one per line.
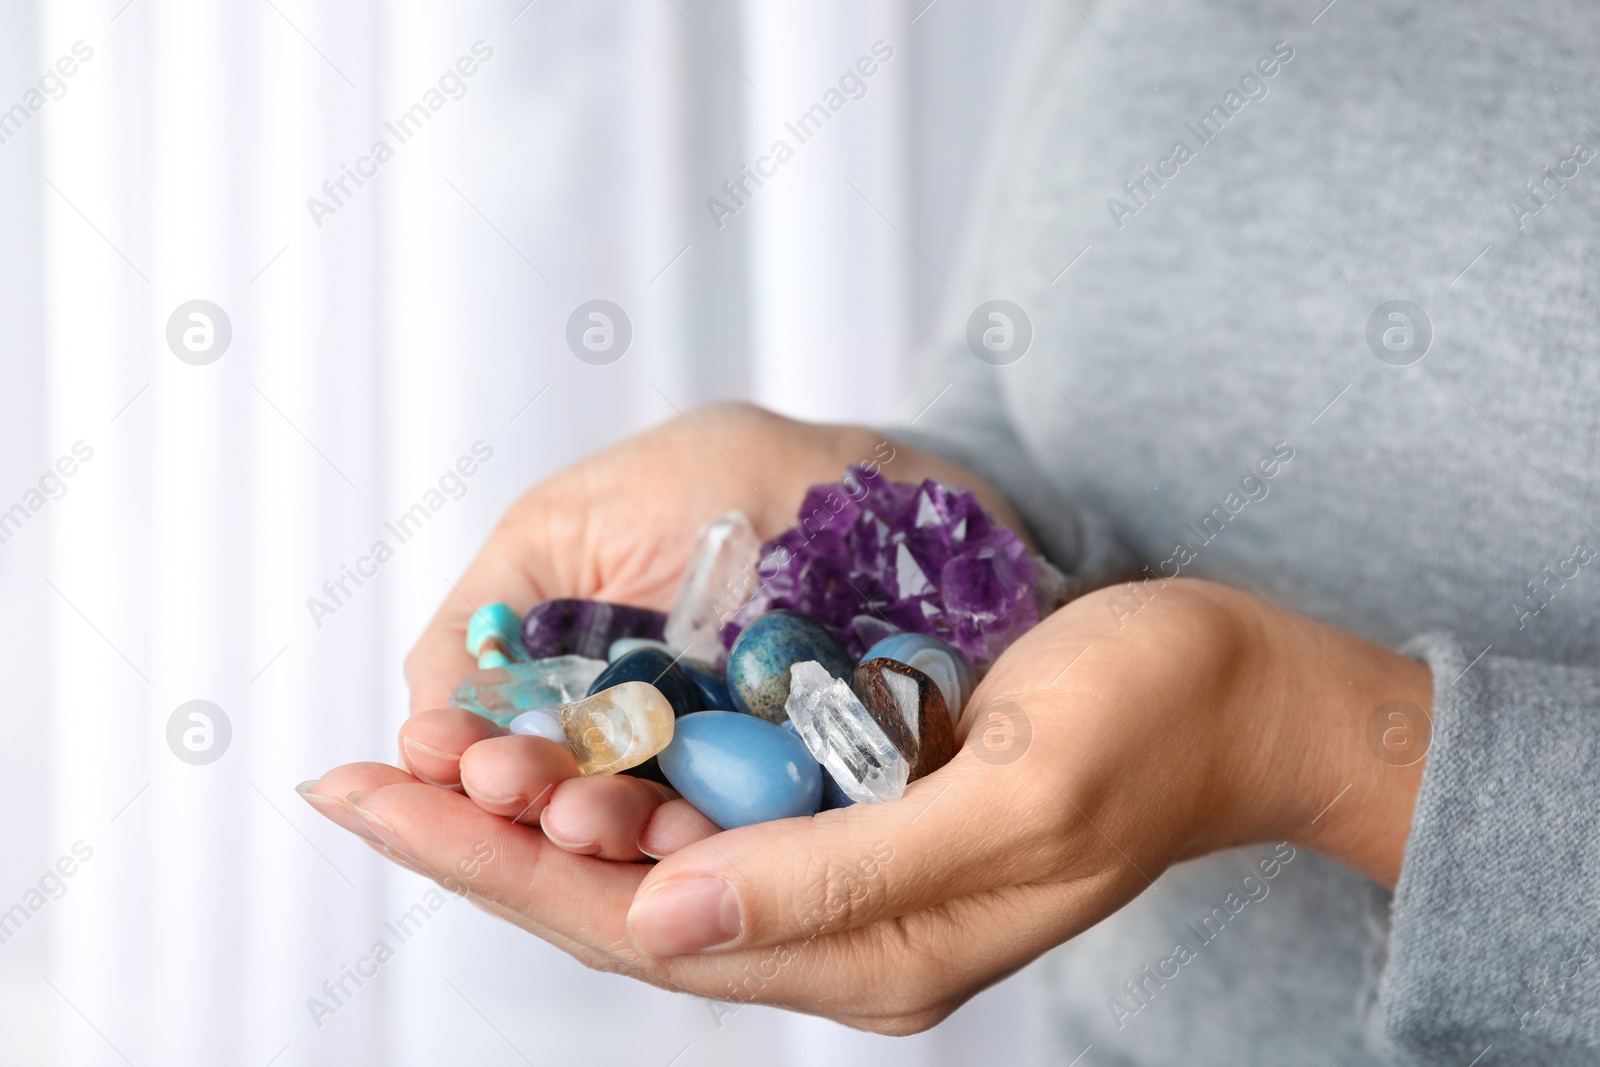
(617,728)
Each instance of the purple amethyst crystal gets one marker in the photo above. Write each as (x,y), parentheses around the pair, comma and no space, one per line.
(572,627)
(869,556)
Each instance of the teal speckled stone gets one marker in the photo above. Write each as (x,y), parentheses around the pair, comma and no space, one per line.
(759,662)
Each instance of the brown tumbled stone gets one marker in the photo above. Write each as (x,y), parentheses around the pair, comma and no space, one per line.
(910,709)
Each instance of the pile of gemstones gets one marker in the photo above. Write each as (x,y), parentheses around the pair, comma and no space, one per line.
(825,667)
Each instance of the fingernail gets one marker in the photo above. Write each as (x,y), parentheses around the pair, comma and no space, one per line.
(315,799)
(521,802)
(411,744)
(336,811)
(587,848)
(385,833)
(688,915)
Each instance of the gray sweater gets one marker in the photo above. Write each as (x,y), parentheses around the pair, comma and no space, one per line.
(1440,495)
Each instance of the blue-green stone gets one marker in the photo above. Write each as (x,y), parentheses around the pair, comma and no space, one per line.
(759,662)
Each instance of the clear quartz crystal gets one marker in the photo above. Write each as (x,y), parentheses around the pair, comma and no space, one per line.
(720,578)
(503,693)
(843,737)
(617,728)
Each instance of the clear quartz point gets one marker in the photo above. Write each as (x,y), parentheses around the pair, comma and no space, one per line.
(843,737)
(719,580)
(617,728)
(503,693)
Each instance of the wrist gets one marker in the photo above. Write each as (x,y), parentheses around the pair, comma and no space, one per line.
(1352,724)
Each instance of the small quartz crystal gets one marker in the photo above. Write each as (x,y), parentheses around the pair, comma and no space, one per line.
(720,578)
(503,693)
(844,737)
(617,728)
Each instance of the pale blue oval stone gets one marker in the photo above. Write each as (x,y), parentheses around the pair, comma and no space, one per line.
(739,770)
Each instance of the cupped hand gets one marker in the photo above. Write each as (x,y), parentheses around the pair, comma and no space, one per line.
(1102,747)
(619,526)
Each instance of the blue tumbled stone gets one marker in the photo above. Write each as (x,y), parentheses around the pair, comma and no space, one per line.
(658,668)
(833,796)
(712,688)
(738,770)
(759,662)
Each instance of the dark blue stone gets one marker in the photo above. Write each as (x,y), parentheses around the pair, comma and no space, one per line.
(571,626)
(738,770)
(656,667)
(712,688)
(759,662)
(832,795)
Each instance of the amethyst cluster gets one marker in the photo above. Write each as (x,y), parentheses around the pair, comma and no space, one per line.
(868,557)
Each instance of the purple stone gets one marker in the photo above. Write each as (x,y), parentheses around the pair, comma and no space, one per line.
(572,627)
(869,556)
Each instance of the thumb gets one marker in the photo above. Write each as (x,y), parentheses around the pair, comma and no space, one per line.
(959,831)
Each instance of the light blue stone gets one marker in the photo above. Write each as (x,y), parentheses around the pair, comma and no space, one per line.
(623,645)
(541,722)
(939,660)
(738,770)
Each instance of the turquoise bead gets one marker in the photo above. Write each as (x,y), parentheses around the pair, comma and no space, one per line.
(738,770)
(499,621)
(939,660)
(759,662)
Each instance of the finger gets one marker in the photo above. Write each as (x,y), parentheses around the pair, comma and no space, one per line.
(450,837)
(329,793)
(966,829)
(603,815)
(432,742)
(674,825)
(514,776)
(580,904)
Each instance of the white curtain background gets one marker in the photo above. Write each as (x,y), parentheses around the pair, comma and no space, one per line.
(372,347)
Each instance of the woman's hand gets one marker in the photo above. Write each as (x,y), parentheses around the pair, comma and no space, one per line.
(619,526)
(1118,737)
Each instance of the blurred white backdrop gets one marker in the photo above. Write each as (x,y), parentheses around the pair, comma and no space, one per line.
(375,340)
